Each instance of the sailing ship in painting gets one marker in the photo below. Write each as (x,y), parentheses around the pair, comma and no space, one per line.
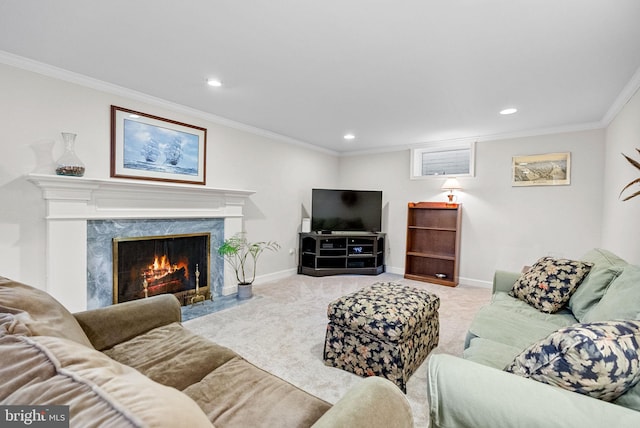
(172,151)
(152,148)
(151,151)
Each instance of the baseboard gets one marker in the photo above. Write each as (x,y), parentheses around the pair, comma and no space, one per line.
(389,269)
(274,276)
(475,282)
(397,271)
(261,279)
(461,280)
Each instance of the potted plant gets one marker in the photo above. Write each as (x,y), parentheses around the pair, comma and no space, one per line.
(242,256)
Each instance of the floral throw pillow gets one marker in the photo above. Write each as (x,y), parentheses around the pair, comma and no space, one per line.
(599,359)
(549,284)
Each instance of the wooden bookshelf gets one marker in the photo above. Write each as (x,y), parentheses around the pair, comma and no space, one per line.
(433,242)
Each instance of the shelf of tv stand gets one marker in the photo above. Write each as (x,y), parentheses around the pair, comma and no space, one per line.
(323,254)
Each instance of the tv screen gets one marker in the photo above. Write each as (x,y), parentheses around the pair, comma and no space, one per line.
(346,210)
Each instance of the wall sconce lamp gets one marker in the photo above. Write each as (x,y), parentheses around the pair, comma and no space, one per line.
(451,184)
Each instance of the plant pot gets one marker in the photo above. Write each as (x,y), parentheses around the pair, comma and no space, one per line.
(245,291)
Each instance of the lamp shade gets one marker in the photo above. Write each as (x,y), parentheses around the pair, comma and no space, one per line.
(451,184)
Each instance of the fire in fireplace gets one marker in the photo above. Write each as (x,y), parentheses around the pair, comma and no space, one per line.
(150,265)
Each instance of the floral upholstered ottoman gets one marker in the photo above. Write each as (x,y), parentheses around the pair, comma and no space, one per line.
(386,329)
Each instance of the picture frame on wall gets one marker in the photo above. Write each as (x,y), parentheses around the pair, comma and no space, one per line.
(550,169)
(148,147)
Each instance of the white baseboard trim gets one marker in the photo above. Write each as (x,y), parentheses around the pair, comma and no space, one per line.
(398,271)
(261,279)
(475,282)
(274,276)
(389,269)
(461,280)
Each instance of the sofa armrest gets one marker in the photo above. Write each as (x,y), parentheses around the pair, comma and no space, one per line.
(462,393)
(503,281)
(374,402)
(108,326)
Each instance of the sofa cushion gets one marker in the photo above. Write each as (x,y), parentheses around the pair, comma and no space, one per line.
(621,300)
(171,355)
(239,394)
(600,360)
(106,327)
(100,392)
(38,312)
(512,322)
(550,282)
(606,267)
(490,353)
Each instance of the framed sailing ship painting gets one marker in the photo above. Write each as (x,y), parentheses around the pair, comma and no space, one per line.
(149,147)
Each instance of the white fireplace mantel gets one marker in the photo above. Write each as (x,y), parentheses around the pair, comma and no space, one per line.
(71,201)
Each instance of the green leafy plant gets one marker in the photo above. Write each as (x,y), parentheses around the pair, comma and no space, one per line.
(243,255)
(636,181)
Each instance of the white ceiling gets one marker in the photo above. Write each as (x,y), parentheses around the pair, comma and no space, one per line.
(394,73)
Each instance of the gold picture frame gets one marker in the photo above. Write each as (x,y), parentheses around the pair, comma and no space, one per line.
(550,169)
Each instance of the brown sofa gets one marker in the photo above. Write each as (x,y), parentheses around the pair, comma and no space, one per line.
(133,364)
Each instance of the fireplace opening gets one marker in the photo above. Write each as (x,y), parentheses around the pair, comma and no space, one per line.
(150,265)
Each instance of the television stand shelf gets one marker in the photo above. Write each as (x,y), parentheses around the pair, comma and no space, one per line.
(341,253)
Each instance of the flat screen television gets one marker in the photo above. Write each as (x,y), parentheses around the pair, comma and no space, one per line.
(334,210)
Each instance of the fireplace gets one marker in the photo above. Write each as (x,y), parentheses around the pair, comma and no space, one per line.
(150,265)
(84,214)
(101,255)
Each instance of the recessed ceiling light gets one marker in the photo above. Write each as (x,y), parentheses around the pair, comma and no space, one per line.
(507,111)
(216,83)
(349,136)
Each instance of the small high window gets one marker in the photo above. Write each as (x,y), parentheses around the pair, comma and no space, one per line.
(440,160)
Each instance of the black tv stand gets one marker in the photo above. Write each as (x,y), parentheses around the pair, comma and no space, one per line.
(341,253)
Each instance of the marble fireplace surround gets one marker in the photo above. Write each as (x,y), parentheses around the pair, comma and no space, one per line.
(74,202)
(100,234)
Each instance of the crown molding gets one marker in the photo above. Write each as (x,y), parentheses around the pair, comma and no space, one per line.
(623,98)
(59,73)
(588,126)
(89,82)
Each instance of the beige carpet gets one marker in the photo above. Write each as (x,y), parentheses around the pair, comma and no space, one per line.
(282,331)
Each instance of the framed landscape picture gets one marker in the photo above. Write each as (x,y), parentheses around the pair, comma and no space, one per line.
(149,147)
(551,169)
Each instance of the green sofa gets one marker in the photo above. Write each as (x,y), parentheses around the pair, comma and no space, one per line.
(475,391)
(134,365)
